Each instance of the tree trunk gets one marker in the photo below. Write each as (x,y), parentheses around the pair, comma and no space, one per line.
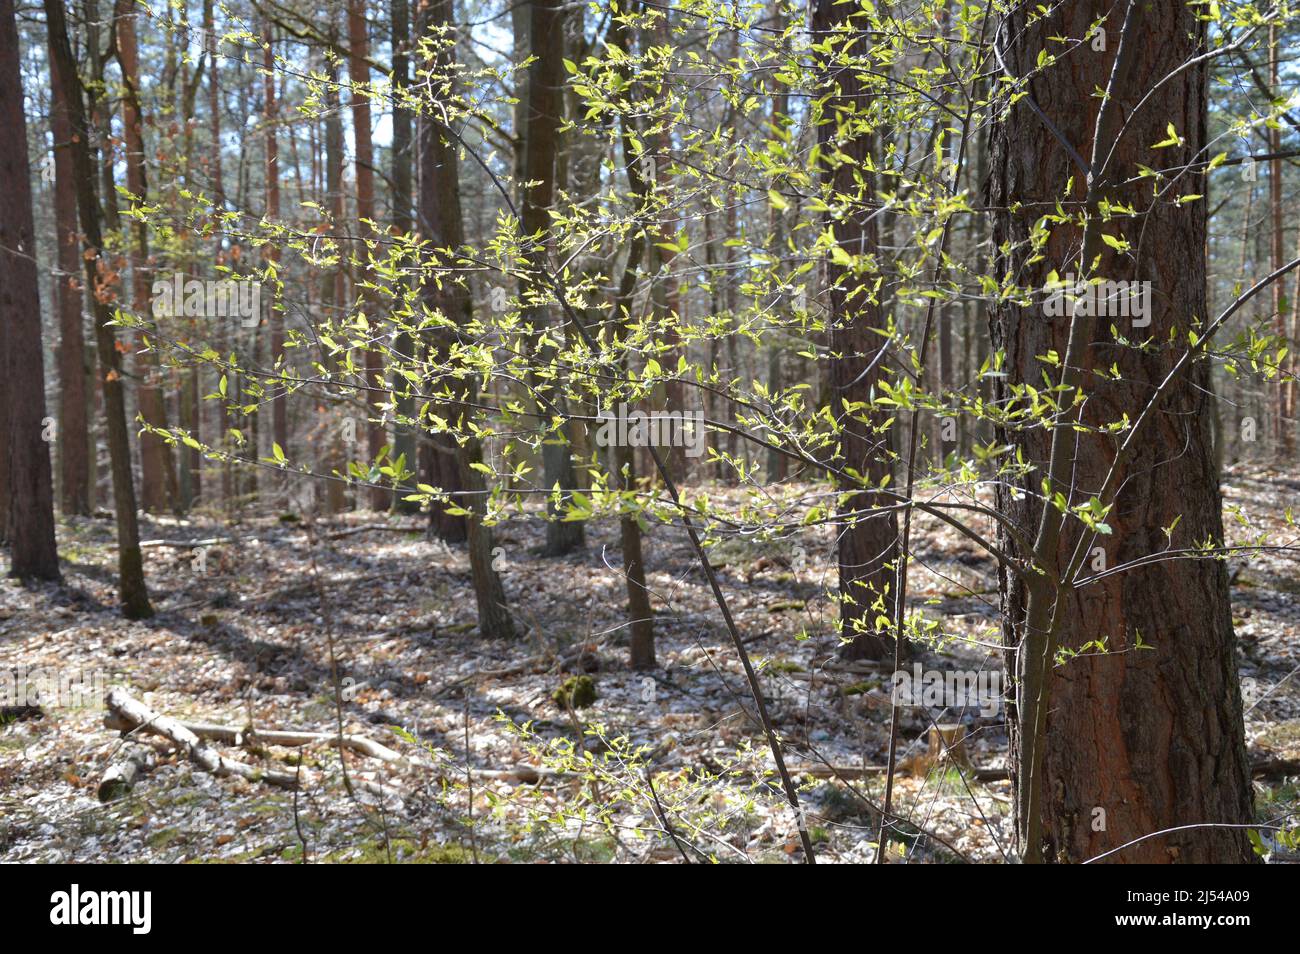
(73,435)
(1283,446)
(132,589)
(868,545)
(542,143)
(219,199)
(332,288)
(404,445)
(359,74)
(1121,743)
(158,485)
(30,524)
(442,224)
(275,317)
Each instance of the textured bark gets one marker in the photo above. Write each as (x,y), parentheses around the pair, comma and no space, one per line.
(441,222)
(1153,737)
(74,439)
(868,545)
(30,524)
(542,143)
(132,590)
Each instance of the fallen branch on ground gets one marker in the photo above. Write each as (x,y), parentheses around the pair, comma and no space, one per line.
(131,715)
(376,527)
(121,775)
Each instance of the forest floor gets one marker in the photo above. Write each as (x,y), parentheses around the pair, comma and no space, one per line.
(245,634)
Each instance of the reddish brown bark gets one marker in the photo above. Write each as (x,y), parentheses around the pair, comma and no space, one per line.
(359,73)
(1152,738)
(542,143)
(26,485)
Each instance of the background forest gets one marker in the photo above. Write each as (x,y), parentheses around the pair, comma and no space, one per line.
(696,431)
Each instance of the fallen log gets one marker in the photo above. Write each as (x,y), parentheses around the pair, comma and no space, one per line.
(130,715)
(121,775)
(125,721)
(187,544)
(374,528)
(198,752)
(289,738)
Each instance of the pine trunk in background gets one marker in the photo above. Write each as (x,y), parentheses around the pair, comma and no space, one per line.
(442,223)
(334,285)
(133,592)
(868,545)
(222,441)
(641,642)
(542,142)
(359,74)
(74,438)
(30,524)
(404,444)
(158,485)
(1136,741)
(1284,445)
(275,317)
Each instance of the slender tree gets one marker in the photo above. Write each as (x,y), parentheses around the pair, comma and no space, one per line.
(279,406)
(441,223)
(159,489)
(868,541)
(359,74)
(641,642)
(404,445)
(74,438)
(133,593)
(541,145)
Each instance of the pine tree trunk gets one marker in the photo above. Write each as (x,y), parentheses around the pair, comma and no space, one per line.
(275,318)
(30,524)
(404,445)
(1128,741)
(542,143)
(359,74)
(73,435)
(441,222)
(133,592)
(158,485)
(868,545)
